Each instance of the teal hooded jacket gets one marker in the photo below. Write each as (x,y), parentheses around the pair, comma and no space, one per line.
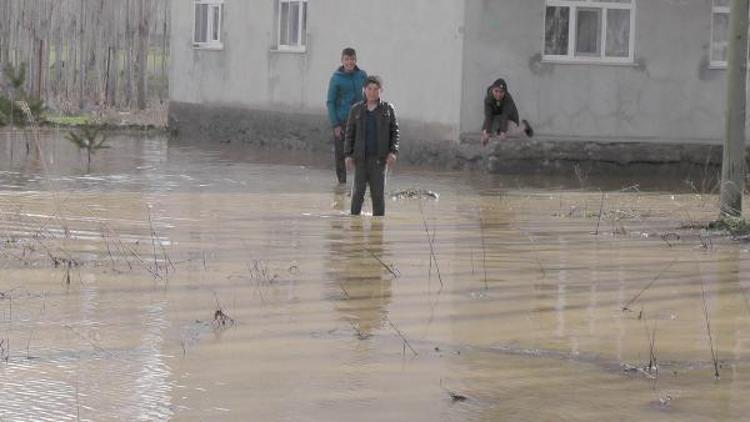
(344,90)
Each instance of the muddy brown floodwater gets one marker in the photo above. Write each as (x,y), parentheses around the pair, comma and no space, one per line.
(182,282)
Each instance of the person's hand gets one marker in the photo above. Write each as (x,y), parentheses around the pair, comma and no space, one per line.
(485,138)
(502,136)
(391,159)
(338,132)
(349,163)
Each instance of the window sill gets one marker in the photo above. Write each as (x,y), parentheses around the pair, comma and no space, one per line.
(209,47)
(717,66)
(301,50)
(603,62)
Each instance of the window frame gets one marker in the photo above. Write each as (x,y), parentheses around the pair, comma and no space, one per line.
(604,6)
(717,64)
(210,44)
(298,46)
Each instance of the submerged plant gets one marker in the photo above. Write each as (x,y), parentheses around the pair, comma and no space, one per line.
(89,138)
(10,111)
(221,320)
(738,227)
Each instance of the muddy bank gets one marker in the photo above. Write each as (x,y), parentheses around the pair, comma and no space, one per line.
(152,119)
(542,154)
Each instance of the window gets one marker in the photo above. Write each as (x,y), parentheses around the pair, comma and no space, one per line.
(589,30)
(719,32)
(207,19)
(292,25)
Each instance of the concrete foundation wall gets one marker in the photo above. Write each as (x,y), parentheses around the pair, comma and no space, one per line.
(302,131)
(296,131)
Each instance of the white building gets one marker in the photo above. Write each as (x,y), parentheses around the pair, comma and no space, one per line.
(638,71)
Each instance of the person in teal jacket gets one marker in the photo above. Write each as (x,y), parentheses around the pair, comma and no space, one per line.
(344,90)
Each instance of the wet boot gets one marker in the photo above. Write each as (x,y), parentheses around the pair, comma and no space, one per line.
(527,129)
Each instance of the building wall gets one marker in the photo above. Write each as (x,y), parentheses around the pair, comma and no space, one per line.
(415,45)
(668,95)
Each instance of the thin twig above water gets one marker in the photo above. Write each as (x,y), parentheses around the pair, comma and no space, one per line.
(646,287)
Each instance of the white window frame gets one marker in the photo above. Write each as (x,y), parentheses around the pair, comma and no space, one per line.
(293,45)
(605,6)
(720,64)
(214,7)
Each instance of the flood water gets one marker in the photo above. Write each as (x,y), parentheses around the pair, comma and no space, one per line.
(173,281)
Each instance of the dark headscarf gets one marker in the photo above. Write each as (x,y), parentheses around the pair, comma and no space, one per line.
(499,83)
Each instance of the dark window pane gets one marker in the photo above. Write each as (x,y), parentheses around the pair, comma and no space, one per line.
(304,24)
(294,23)
(216,25)
(618,33)
(284,25)
(556,25)
(588,32)
(201,23)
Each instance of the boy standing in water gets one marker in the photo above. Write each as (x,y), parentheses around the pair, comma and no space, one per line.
(371,146)
(344,90)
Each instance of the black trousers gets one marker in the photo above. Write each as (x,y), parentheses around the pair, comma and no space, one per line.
(370,173)
(499,124)
(512,129)
(338,154)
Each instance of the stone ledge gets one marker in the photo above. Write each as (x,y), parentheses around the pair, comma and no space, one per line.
(291,131)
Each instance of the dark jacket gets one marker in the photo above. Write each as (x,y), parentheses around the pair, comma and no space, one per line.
(356,126)
(506,108)
(344,90)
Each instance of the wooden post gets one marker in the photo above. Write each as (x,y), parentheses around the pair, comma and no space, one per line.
(733,163)
(144,8)
(40,70)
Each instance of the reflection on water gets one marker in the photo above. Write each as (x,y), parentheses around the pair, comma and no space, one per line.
(514,292)
(357,255)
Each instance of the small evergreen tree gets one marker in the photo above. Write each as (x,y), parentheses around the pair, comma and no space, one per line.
(91,138)
(10,112)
